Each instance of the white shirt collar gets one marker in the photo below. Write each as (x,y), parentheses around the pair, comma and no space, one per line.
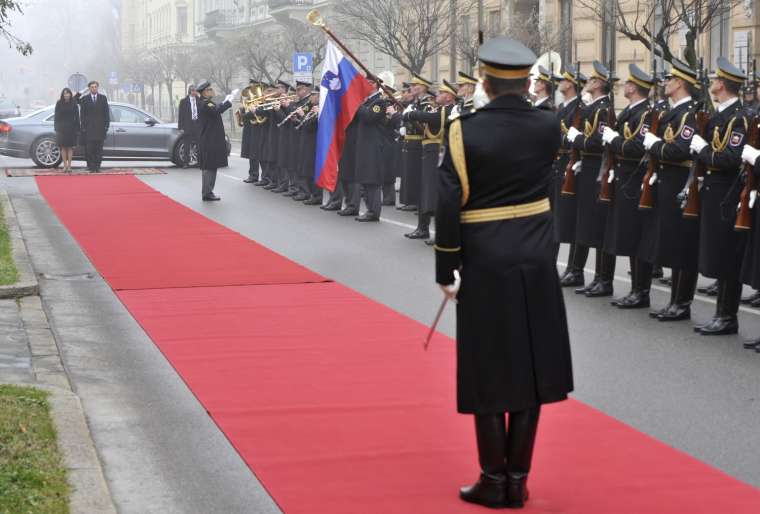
(634,104)
(681,101)
(599,98)
(728,103)
(540,101)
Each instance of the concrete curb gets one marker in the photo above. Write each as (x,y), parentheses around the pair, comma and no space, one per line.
(89,492)
(27,284)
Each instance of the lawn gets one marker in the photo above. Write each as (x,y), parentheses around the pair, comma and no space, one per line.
(32,476)
(8,273)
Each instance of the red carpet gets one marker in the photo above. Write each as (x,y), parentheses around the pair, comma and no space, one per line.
(331,401)
(138,238)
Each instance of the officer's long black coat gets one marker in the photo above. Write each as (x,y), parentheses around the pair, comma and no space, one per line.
(591,216)
(246,144)
(677,238)
(513,349)
(429,184)
(411,163)
(565,207)
(721,248)
(347,163)
(750,273)
(212,143)
(95,117)
(623,231)
(308,150)
(371,142)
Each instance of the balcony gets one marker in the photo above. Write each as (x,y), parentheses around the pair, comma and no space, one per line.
(277,5)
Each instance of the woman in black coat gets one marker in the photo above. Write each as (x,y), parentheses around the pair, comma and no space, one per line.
(66,126)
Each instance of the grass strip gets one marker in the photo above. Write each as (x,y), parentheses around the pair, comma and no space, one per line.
(8,272)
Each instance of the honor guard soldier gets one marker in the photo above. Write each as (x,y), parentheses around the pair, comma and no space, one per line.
(466,85)
(494,226)
(623,231)
(721,248)
(212,143)
(544,88)
(751,266)
(434,122)
(591,213)
(412,151)
(676,239)
(565,207)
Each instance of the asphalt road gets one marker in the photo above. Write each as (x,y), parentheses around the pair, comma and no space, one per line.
(698,394)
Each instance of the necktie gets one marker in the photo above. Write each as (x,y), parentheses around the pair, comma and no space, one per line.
(194,109)
(94,99)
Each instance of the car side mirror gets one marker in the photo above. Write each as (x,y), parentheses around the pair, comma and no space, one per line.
(150,121)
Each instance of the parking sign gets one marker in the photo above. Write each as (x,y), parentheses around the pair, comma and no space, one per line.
(303,63)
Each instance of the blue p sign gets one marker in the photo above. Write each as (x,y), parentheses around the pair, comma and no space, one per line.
(302,62)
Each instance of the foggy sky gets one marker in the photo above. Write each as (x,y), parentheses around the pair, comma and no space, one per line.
(68,36)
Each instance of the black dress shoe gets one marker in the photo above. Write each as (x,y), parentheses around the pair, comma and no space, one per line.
(602,288)
(755,304)
(388,203)
(430,242)
(676,313)
(260,183)
(517,490)
(211,198)
(657,272)
(249,180)
(313,201)
(279,189)
(573,279)
(588,287)
(711,290)
(725,325)
(348,212)
(635,301)
(698,328)
(300,197)
(656,314)
(418,234)
(290,193)
(367,217)
(408,208)
(489,491)
(752,345)
(271,186)
(751,298)
(335,206)
(617,301)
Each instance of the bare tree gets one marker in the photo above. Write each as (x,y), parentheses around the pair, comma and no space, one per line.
(168,59)
(221,66)
(7,7)
(538,35)
(634,19)
(410,31)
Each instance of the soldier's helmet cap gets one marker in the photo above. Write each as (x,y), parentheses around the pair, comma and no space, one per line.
(416,79)
(202,86)
(640,77)
(448,87)
(284,84)
(570,74)
(303,84)
(506,58)
(681,70)
(544,74)
(726,70)
(463,78)
(601,72)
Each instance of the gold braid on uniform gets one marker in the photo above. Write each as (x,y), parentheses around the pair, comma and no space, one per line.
(563,127)
(438,136)
(718,144)
(628,135)
(456,147)
(589,129)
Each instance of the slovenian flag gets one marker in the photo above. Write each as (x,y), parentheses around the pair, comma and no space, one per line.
(342,91)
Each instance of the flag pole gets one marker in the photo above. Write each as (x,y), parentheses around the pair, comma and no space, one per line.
(316,19)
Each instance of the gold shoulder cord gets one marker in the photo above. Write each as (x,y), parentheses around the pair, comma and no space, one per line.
(456,147)
(718,144)
(589,129)
(670,135)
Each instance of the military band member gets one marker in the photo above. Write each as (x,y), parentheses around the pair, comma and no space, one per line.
(278,114)
(592,214)
(301,184)
(307,129)
(495,228)
(721,248)
(750,273)
(412,151)
(248,142)
(565,207)
(269,135)
(435,126)
(676,238)
(212,143)
(623,231)
(543,86)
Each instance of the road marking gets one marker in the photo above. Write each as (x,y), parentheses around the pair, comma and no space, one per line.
(231,176)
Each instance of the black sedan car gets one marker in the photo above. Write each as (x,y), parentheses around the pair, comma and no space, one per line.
(134,135)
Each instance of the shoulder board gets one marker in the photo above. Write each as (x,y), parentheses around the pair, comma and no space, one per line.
(210,104)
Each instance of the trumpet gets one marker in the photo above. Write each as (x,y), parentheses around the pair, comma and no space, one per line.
(313,113)
(299,105)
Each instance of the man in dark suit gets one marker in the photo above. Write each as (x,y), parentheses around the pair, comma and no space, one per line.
(95,118)
(213,146)
(188,122)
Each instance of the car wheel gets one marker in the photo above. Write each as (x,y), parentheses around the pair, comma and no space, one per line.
(186,154)
(46,153)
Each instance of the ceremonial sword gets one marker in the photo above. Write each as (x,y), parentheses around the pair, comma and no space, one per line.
(457,282)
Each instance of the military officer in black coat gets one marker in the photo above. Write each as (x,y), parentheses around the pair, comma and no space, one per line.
(95,117)
(494,227)
(213,145)
(676,244)
(282,135)
(412,151)
(189,123)
(565,207)
(371,147)
(750,273)
(721,248)
(591,213)
(248,141)
(306,127)
(623,231)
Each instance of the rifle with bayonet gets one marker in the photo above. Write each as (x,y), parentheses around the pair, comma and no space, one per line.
(608,160)
(691,202)
(568,185)
(646,200)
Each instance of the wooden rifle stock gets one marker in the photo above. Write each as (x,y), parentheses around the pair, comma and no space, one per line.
(605,190)
(568,186)
(646,201)
(744,216)
(697,171)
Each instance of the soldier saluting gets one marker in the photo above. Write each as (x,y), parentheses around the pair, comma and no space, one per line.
(494,225)
(212,143)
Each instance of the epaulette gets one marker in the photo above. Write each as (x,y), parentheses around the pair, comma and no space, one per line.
(460,116)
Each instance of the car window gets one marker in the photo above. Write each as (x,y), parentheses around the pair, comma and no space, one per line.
(120,114)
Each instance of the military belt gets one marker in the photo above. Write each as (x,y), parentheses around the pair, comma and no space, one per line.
(413,137)
(431,142)
(626,159)
(507,212)
(682,164)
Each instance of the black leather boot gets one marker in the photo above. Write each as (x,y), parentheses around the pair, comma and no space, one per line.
(642,280)
(684,285)
(726,321)
(491,488)
(423,228)
(711,290)
(617,302)
(606,273)
(573,276)
(521,438)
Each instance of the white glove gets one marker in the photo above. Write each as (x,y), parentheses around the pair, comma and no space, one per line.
(228,98)
(451,290)
(609,135)
(697,144)
(577,167)
(750,154)
(234,92)
(611,177)
(649,140)
(653,179)
(402,131)
(752,198)
(572,133)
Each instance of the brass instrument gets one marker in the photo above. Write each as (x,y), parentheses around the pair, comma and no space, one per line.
(300,104)
(313,113)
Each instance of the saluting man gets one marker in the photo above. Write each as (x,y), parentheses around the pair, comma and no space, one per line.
(213,145)
(721,248)
(623,231)
(495,229)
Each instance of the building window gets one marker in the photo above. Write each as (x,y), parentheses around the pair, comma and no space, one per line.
(719,36)
(494,23)
(182,21)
